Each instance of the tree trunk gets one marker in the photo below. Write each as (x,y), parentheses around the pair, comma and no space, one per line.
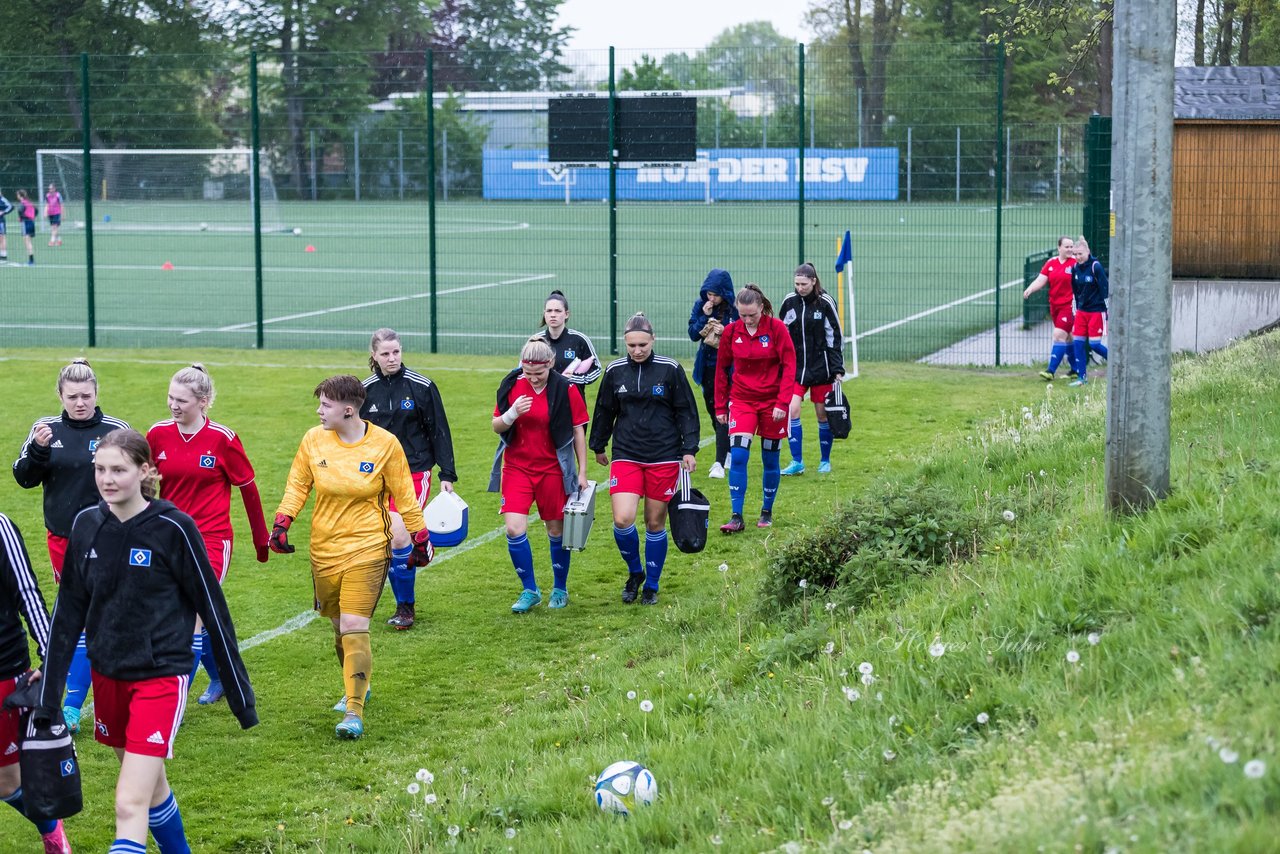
(1246,32)
(292,97)
(1199,33)
(1226,33)
(1105,63)
(853,31)
(885,16)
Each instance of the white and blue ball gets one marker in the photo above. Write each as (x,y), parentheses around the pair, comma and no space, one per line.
(624,786)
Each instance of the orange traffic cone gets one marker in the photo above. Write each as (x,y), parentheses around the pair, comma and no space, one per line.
(310,248)
(166,266)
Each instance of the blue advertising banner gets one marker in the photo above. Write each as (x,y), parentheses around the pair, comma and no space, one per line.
(720,174)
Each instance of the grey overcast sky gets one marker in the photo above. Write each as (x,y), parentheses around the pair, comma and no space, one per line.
(665,25)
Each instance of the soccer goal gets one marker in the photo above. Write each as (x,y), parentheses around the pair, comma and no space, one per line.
(160,189)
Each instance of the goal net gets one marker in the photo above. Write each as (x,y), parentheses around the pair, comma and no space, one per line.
(160,189)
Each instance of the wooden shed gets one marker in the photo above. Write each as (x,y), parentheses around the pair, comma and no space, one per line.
(1226,172)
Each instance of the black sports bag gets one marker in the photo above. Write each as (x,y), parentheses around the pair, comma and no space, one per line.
(689,514)
(837,407)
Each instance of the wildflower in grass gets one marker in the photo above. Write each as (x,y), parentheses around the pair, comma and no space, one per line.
(280,826)
(868,679)
(1254,769)
(1212,742)
(511,833)
(938,649)
(413,788)
(724,567)
(829,648)
(1009,515)
(631,695)
(865,668)
(983,717)
(430,798)
(586,689)
(1093,638)
(1073,656)
(828,801)
(1228,755)
(831,606)
(454,830)
(1042,472)
(845,824)
(804,582)
(646,706)
(889,756)
(843,673)
(851,694)
(770,674)
(425,776)
(716,840)
(661,673)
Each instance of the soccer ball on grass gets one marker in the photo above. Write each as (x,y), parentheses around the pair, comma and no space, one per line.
(624,786)
(204,226)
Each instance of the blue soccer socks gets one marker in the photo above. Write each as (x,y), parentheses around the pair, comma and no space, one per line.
(560,557)
(1081,349)
(796,440)
(79,676)
(402,575)
(628,541)
(15,801)
(824,440)
(655,557)
(197,650)
(738,476)
(522,559)
(127,846)
(206,656)
(1056,355)
(1099,348)
(771,460)
(166,827)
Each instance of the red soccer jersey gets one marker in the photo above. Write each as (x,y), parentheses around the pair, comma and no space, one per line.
(763,365)
(1059,274)
(532,450)
(198,471)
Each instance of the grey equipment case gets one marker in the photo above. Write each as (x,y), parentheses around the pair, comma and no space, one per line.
(579,513)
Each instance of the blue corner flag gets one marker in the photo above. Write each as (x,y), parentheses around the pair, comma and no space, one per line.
(846,252)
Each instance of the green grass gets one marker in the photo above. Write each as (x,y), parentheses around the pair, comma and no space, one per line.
(497,261)
(1000,743)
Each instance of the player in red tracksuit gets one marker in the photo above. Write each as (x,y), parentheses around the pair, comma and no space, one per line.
(199,461)
(755,378)
(1056,273)
(540,418)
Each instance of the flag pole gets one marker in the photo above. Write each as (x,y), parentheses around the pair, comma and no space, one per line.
(845,262)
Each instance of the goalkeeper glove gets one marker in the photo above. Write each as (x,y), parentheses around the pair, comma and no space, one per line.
(423,551)
(279,542)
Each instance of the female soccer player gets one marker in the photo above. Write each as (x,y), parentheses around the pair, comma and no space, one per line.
(1056,273)
(755,380)
(199,461)
(136,578)
(53,212)
(814,322)
(408,405)
(646,405)
(712,312)
(6,207)
(58,456)
(540,419)
(27,214)
(1090,286)
(352,466)
(575,357)
(20,598)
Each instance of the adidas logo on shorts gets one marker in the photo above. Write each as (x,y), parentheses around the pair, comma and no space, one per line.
(155,738)
(161,457)
(11,749)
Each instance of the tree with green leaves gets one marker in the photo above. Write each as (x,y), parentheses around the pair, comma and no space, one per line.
(647,75)
(1086,25)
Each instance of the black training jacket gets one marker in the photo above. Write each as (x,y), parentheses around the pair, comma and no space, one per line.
(814,324)
(135,589)
(571,345)
(1089,285)
(649,410)
(408,405)
(19,599)
(65,467)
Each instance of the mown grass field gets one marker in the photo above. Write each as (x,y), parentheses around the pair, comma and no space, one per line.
(1041,675)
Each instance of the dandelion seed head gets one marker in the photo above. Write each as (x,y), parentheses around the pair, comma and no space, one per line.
(851,694)
(430,798)
(804,582)
(1073,656)
(1228,755)
(829,648)
(889,756)
(646,706)
(1009,515)
(413,788)
(631,695)
(454,830)
(983,717)
(831,606)
(1254,769)
(865,668)
(868,679)
(828,801)
(1042,472)
(511,833)
(1094,637)
(937,649)
(845,824)
(724,567)
(716,840)
(425,776)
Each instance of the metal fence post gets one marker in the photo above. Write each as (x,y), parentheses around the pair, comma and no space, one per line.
(256,189)
(957,164)
(908,164)
(613,210)
(86,161)
(357,163)
(314,191)
(431,195)
(400,161)
(800,158)
(1057,169)
(1000,173)
(444,157)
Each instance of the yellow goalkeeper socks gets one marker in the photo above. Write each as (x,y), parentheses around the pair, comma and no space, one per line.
(357,661)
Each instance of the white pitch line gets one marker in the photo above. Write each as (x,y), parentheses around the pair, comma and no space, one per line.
(352,307)
(919,314)
(202,268)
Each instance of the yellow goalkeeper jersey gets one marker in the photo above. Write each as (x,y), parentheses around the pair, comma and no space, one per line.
(351,523)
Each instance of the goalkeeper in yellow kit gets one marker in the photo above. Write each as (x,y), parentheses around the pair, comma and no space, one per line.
(353,466)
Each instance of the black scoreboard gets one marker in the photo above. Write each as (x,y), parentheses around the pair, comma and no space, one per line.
(648,128)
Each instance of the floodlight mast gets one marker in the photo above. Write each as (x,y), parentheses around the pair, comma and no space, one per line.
(1141,305)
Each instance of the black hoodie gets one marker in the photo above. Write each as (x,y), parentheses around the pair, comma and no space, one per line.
(135,588)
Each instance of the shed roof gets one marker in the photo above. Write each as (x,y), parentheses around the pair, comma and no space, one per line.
(1226,92)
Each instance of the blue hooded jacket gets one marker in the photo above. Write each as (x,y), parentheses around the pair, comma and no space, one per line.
(720,283)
